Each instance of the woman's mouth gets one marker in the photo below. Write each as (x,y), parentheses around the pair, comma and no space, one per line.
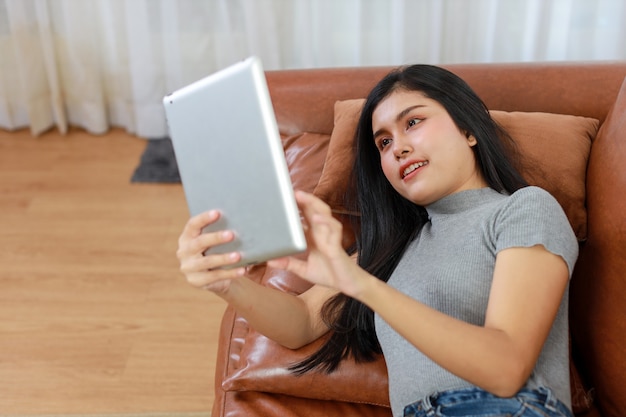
(412,167)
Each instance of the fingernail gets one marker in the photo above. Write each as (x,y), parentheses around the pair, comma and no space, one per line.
(227,234)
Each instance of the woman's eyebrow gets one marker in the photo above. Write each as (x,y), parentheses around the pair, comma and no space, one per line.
(406,111)
(399,117)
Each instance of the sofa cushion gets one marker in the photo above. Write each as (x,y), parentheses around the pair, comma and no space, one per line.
(305,154)
(554,151)
(265,369)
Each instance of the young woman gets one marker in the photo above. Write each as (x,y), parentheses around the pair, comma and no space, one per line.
(461,271)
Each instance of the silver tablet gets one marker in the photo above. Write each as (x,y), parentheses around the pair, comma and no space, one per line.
(231,158)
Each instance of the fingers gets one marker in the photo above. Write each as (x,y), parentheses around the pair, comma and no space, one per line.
(205,241)
(195,247)
(206,271)
(310,205)
(195,224)
(191,265)
(212,277)
(289,264)
(193,242)
(325,230)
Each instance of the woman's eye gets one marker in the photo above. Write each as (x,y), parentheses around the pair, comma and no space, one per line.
(412,122)
(384,142)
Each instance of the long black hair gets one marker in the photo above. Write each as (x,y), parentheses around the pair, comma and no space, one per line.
(388,222)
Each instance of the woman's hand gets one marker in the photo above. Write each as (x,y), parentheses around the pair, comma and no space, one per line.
(327,262)
(205,271)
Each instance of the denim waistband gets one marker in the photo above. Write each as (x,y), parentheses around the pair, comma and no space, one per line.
(539,402)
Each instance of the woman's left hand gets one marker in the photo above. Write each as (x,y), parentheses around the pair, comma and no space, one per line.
(327,262)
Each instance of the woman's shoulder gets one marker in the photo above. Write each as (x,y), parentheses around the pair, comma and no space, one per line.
(533,191)
(531,205)
(533,198)
(531,215)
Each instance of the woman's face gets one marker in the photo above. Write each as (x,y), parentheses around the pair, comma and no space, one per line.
(423,153)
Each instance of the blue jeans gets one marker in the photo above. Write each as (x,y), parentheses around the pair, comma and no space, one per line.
(475,402)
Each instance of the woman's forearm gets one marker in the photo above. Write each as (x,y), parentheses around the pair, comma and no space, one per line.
(292,321)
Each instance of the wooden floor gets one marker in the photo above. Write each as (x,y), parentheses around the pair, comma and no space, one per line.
(94,315)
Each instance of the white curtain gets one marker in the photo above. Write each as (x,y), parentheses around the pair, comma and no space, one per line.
(102,63)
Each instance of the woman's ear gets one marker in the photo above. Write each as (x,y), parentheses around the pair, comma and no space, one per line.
(471,140)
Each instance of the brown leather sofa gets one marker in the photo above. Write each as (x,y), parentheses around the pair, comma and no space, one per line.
(251,377)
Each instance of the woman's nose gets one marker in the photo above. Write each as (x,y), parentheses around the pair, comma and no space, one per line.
(401,149)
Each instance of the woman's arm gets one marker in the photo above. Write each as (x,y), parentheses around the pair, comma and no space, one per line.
(526,293)
(527,288)
(292,321)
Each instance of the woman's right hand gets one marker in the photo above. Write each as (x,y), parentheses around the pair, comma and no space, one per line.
(206,271)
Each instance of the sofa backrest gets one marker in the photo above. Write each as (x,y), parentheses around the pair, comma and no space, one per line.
(304,99)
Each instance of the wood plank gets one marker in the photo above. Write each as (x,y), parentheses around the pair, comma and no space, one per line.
(95,316)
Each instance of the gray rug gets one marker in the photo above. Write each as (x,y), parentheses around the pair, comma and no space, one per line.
(157,164)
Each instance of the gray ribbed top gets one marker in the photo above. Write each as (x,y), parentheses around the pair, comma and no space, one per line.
(449,267)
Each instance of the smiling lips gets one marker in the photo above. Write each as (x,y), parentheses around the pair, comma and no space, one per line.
(412,167)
